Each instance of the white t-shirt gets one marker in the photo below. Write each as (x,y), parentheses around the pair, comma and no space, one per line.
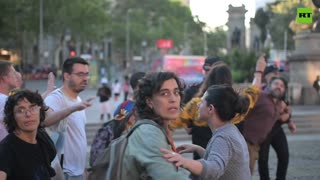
(116,88)
(75,144)
(3,130)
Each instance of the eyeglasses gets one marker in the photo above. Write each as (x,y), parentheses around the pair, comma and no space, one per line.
(81,74)
(31,110)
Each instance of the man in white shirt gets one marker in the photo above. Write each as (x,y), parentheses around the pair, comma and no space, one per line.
(75,79)
(8,81)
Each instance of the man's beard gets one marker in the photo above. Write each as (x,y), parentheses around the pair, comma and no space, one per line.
(276,93)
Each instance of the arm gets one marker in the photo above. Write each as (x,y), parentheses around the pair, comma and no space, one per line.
(260,66)
(252,93)
(145,144)
(211,168)
(220,153)
(190,148)
(285,112)
(50,85)
(54,117)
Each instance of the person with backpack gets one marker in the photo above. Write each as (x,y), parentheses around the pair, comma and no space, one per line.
(112,129)
(158,101)
(123,119)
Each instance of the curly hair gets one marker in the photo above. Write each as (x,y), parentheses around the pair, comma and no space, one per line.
(13,100)
(149,85)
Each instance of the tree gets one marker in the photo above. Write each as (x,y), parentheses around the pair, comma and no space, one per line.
(282,15)
(87,19)
(261,19)
(150,21)
(242,65)
(216,41)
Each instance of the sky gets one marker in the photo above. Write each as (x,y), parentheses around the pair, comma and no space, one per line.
(213,12)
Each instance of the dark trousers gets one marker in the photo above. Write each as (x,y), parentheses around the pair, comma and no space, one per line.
(126,95)
(200,136)
(278,141)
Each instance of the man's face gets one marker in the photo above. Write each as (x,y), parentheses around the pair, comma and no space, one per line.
(277,88)
(206,69)
(11,78)
(79,78)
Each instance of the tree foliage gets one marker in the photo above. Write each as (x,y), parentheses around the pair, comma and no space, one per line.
(279,17)
(242,64)
(87,19)
(216,41)
(149,21)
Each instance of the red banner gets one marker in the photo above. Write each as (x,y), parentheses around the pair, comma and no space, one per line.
(164,43)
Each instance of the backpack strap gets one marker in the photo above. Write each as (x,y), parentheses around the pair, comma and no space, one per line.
(147,121)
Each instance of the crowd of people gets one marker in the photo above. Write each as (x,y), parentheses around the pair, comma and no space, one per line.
(43,136)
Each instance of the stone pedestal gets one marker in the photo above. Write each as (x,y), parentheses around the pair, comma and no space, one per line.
(304,67)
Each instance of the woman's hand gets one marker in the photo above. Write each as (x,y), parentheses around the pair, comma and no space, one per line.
(173,157)
(186,148)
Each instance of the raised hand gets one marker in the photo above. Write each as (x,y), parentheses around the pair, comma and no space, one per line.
(261,63)
(50,83)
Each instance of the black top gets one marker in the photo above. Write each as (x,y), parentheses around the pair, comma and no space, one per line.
(104,93)
(190,92)
(22,160)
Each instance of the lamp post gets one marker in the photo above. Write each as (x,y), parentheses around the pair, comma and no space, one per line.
(127,38)
(40,30)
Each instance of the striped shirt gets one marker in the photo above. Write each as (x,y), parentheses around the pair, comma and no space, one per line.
(226,156)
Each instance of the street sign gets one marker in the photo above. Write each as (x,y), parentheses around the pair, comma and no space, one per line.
(164,43)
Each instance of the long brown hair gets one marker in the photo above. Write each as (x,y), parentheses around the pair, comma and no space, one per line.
(219,74)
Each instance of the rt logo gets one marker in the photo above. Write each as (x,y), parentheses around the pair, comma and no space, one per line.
(304,15)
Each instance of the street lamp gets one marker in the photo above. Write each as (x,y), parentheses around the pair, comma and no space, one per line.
(40,30)
(127,38)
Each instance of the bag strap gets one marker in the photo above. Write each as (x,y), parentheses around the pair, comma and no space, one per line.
(145,121)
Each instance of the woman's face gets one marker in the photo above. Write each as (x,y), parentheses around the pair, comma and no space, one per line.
(27,116)
(203,109)
(166,102)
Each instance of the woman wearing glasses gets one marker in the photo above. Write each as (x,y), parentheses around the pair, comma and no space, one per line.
(26,153)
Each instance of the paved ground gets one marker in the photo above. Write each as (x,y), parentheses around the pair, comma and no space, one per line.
(304,149)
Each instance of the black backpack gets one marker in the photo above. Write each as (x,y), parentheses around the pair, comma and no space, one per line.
(108,164)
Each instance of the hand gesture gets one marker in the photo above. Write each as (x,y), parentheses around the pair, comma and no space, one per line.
(173,157)
(186,148)
(84,104)
(261,63)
